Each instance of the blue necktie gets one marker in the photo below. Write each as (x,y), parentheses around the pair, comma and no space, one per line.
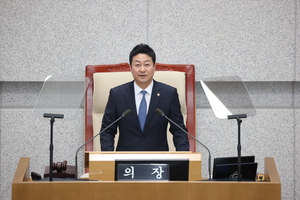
(143,110)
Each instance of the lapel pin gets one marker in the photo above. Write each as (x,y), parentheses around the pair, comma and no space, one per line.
(158,94)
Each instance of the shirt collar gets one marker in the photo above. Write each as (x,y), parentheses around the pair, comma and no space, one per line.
(148,89)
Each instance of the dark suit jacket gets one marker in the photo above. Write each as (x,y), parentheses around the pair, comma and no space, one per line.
(154,136)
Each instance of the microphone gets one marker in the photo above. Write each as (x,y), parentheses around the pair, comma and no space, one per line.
(128,111)
(160,112)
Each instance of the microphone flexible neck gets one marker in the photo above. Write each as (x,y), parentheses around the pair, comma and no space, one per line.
(76,165)
(209,155)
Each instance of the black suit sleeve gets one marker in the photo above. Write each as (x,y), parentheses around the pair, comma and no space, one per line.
(107,137)
(180,138)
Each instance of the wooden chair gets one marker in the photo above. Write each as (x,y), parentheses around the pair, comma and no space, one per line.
(103,77)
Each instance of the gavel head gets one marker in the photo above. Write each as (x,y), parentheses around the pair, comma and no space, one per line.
(60,166)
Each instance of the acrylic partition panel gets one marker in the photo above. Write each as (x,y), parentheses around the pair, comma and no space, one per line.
(228,96)
(61,95)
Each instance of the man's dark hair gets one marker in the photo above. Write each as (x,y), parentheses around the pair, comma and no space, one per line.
(144,49)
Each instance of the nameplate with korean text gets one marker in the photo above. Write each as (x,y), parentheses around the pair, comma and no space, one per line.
(142,172)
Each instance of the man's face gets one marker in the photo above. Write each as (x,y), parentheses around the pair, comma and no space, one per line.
(142,69)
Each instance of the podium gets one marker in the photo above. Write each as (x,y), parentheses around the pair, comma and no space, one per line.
(24,188)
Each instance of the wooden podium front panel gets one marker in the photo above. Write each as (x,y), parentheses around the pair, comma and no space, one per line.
(102,164)
(122,190)
(128,190)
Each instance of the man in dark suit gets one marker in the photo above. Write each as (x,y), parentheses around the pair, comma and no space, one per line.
(136,134)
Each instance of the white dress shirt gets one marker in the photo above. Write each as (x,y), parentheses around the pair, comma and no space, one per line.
(138,95)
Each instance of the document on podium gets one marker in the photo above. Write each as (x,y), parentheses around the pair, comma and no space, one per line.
(62,95)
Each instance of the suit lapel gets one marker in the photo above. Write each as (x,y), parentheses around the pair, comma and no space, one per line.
(155,98)
(130,99)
